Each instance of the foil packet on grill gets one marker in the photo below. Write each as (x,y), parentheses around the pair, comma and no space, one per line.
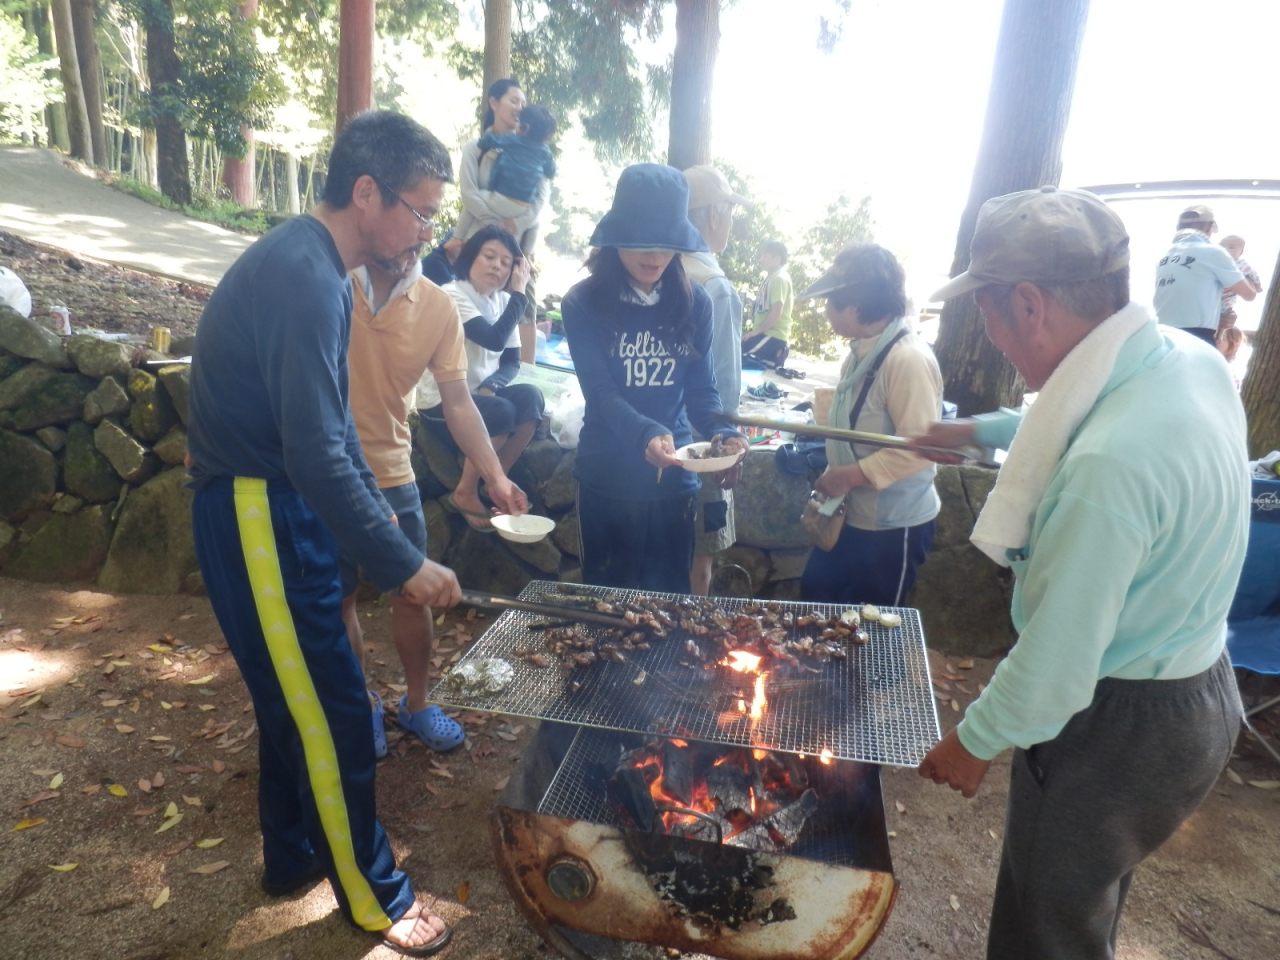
(479,677)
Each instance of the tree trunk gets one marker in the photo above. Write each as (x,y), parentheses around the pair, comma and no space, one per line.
(173,170)
(73,92)
(291,182)
(355,61)
(82,21)
(497,41)
(1261,390)
(237,172)
(697,41)
(55,117)
(1021,149)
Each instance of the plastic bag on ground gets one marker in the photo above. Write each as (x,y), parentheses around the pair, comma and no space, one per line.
(14,293)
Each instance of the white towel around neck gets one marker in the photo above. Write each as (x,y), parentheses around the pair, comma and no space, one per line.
(1063,403)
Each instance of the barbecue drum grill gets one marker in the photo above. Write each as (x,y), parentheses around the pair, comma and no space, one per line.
(723,807)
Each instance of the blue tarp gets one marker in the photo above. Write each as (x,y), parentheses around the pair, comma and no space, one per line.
(1253,625)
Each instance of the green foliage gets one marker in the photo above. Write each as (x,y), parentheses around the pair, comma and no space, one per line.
(26,87)
(843,225)
(226,81)
(575,58)
(306,32)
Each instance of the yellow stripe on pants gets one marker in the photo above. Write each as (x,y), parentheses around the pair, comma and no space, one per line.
(257,540)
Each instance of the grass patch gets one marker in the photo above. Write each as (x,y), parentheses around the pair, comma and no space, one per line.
(224,213)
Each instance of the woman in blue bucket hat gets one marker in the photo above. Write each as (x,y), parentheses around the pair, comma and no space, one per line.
(640,336)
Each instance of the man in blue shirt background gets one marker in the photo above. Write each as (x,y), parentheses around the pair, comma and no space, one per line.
(1192,276)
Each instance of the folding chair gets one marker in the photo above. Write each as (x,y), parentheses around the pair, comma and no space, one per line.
(1253,623)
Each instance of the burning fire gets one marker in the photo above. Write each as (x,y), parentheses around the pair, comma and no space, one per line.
(742,661)
(758,701)
(825,757)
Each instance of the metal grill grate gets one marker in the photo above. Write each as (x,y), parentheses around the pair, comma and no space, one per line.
(876,706)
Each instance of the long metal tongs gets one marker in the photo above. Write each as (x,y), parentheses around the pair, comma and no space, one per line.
(495,601)
(860,436)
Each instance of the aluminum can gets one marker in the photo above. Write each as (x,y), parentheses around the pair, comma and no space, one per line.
(160,339)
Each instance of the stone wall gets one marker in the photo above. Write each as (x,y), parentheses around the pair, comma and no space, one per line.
(91,451)
(91,488)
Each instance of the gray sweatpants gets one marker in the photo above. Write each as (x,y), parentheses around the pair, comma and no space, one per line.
(1088,806)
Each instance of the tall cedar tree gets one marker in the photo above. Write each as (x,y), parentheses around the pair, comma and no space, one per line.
(1027,111)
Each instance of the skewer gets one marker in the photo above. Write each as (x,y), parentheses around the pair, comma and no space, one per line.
(858,436)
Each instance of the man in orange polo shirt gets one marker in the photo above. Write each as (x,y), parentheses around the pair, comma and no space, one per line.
(401,325)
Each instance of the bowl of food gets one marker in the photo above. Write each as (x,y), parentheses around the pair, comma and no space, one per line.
(529,528)
(708,456)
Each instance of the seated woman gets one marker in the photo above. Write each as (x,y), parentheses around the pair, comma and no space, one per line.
(640,337)
(490,302)
(890,383)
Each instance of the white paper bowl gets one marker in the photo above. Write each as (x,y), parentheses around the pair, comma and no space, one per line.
(529,528)
(704,466)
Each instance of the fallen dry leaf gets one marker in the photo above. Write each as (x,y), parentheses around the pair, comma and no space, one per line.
(161,899)
(39,798)
(44,773)
(1265,784)
(174,851)
(464,891)
(440,772)
(902,807)
(56,782)
(165,704)
(201,680)
(63,867)
(218,766)
(171,810)
(188,768)
(208,706)
(955,705)
(192,801)
(209,868)
(124,728)
(144,785)
(954,901)
(160,739)
(28,823)
(210,843)
(965,664)
(1235,777)
(112,703)
(171,822)
(116,790)
(158,780)
(992,835)
(91,788)
(69,741)
(501,784)
(109,669)
(145,811)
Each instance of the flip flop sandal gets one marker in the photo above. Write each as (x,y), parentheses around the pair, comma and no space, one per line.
(485,527)
(379,727)
(431,726)
(423,949)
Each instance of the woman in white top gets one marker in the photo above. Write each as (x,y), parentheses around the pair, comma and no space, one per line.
(490,300)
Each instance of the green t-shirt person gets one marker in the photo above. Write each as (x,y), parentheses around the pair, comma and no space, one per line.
(775,300)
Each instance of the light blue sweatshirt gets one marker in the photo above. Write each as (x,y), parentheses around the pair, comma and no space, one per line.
(1136,547)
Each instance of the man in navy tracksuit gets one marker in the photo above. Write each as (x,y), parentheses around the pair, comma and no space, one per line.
(280,483)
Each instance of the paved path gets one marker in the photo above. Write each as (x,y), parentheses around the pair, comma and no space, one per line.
(43,200)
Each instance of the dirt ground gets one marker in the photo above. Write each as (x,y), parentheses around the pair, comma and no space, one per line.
(113,708)
(99,295)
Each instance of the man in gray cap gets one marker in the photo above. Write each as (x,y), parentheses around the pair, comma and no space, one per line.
(1126,542)
(1192,276)
(711,207)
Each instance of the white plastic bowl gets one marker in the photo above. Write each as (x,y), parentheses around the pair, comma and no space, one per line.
(712,465)
(529,528)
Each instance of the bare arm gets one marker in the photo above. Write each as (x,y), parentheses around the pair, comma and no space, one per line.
(468,430)
(1245,288)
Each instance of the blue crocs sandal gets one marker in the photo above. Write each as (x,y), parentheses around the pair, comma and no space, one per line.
(379,727)
(431,726)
